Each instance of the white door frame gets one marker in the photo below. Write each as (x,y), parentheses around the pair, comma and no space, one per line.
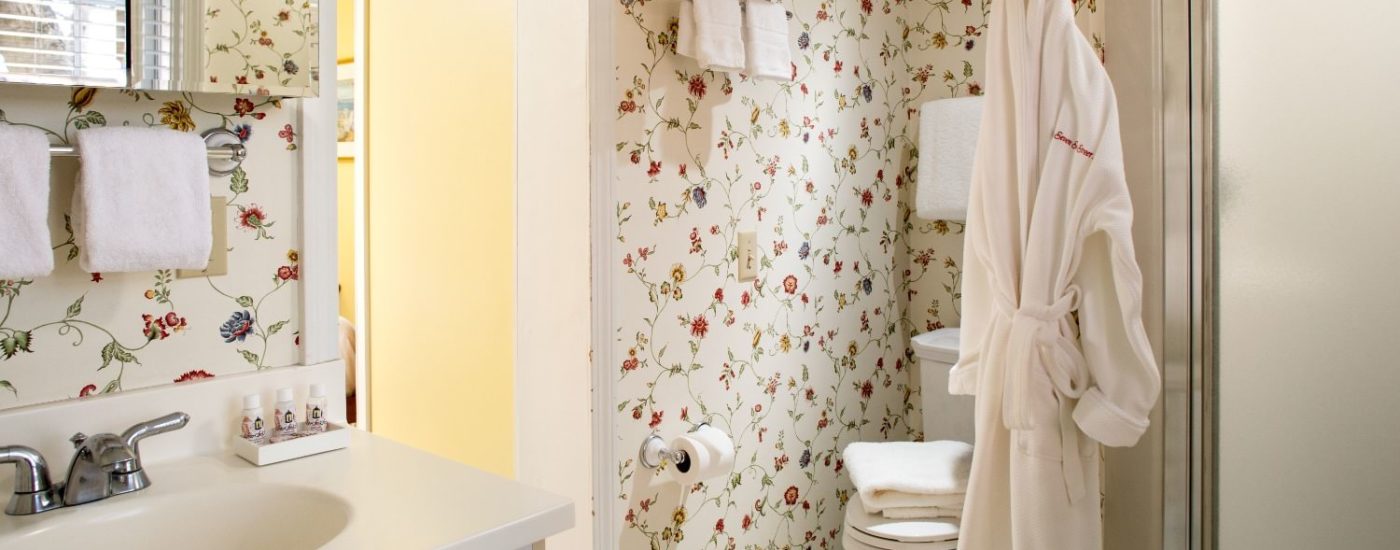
(600,90)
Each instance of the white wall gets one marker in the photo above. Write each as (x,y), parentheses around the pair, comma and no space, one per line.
(553,423)
(1309,180)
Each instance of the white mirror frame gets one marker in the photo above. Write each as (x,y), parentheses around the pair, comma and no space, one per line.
(319,302)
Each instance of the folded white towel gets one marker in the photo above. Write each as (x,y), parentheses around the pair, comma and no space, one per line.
(685,29)
(948,131)
(142,200)
(922,512)
(25,247)
(766,32)
(906,474)
(719,35)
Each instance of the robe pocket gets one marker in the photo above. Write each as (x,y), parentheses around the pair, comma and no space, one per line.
(1043,442)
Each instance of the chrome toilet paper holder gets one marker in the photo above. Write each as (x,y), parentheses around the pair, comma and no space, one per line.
(654,452)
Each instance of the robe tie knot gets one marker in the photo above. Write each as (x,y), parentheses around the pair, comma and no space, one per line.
(1044,341)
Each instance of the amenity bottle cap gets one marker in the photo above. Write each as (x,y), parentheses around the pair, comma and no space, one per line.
(284,394)
(252,401)
(318,390)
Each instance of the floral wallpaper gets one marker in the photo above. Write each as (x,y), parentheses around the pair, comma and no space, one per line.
(260,47)
(75,334)
(814,353)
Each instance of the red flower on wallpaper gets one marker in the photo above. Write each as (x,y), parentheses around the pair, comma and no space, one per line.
(96,277)
(655,419)
(790,495)
(194,375)
(252,218)
(790,284)
(697,86)
(87,390)
(242,106)
(654,169)
(699,326)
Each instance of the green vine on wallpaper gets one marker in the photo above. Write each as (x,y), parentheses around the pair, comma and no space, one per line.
(250,37)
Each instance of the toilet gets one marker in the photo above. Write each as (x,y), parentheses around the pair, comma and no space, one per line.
(945,417)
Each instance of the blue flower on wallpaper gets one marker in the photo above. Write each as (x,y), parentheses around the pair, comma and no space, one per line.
(698,195)
(237,327)
(804,40)
(867,285)
(867,93)
(243,131)
(804,251)
(290,67)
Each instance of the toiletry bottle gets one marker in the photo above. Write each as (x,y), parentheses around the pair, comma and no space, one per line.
(286,413)
(254,428)
(316,409)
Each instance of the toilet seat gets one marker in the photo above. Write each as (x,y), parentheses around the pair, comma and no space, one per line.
(854,539)
(874,531)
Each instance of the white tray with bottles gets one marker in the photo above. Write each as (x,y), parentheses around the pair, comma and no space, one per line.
(305,442)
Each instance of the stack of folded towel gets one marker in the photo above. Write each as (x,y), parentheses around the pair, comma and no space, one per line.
(908,479)
(724,35)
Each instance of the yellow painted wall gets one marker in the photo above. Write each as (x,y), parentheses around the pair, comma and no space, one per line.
(440,160)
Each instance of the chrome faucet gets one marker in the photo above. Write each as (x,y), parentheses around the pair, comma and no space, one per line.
(104,465)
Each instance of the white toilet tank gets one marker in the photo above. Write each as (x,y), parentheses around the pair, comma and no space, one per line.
(945,416)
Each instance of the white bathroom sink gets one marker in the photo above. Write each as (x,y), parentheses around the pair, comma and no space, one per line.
(254,515)
(374,494)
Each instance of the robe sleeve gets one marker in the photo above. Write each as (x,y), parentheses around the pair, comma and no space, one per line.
(1124,381)
(976,307)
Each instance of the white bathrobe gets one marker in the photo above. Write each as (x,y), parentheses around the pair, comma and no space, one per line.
(1053,345)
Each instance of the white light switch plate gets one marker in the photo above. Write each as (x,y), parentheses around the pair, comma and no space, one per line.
(748,261)
(218,252)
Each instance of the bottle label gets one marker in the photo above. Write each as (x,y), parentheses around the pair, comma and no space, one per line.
(286,422)
(315,418)
(253,427)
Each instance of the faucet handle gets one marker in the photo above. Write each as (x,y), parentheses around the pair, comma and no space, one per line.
(78,439)
(168,423)
(34,492)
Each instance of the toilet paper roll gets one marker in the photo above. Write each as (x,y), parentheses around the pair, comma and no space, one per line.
(709,452)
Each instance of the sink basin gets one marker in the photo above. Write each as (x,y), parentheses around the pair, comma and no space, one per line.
(255,515)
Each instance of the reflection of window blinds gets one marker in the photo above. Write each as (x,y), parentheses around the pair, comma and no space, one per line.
(154,51)
(63,41)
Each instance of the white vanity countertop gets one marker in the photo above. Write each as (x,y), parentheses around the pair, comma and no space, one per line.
(399,497)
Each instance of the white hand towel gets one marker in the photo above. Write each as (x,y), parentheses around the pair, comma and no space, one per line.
(719,35)
(685,29)
(142,200)
(906,474)
(25,247)
(766,32)
(948,130)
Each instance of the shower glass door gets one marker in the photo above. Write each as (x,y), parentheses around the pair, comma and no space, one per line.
(1307,172)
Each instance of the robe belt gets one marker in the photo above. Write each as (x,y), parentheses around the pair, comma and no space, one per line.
(1044,339)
